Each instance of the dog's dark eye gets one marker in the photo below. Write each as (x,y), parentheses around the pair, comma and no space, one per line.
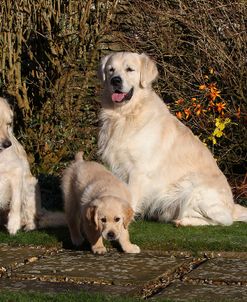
(111,69)
(129,69)
(103,220)
(117,219)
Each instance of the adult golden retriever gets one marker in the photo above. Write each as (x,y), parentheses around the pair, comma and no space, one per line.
(19,192)
(97,205)
(171,174)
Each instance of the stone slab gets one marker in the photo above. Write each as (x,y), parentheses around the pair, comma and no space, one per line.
(7,284)
(111,268)
(229,270)
(14,256)
(179,291)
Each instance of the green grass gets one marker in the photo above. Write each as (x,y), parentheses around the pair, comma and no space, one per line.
(152,236)
(166,237)
(7,296)
(35,237)
(61,297)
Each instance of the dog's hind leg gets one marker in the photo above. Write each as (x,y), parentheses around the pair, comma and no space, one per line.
(204,206)
(239,213)
(191,221)
(74,224)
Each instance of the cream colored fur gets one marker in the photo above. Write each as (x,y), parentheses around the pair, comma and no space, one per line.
(171,174)
(96,205)
(19,191)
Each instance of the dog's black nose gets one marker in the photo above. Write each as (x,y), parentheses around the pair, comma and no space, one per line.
(116,81)
(110,235)
(6,144)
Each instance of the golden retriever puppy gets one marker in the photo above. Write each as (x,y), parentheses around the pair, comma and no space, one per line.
(96,205)
(171,174)
(19,194)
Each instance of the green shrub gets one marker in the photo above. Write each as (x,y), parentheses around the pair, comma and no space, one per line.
(48,56)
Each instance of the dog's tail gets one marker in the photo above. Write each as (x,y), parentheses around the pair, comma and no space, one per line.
(50,219)
(239,213)
(79,156)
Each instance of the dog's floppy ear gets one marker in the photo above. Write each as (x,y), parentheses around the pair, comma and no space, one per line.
(149,71)
(101,69)
(92,216)
(128,215)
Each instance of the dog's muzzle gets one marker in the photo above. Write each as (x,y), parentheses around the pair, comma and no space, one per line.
(120,97)
(111,236)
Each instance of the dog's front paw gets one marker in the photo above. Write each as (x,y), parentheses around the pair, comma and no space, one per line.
(99,250)
(14,224)
(132,249)
(30,226)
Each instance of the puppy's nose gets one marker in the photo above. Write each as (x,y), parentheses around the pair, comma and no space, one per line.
(6,143)
(110,235)
(116,81)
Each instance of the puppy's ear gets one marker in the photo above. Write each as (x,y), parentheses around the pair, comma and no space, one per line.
(128,216)
(92,216)
(101,69)
(149,71)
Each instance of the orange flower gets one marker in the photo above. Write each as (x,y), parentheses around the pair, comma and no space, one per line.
(220,107)
(179,101)
(214,94)
(179,115)
(187,113)
(202,87)
(193,99)
(198,110)
(213,91)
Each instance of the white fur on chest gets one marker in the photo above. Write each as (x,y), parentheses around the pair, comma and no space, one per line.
(125,146)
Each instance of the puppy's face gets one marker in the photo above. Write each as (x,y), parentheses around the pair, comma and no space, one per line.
(6,120)
(110,216)
(124,73)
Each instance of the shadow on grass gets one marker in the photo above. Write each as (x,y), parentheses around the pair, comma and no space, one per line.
(63,237)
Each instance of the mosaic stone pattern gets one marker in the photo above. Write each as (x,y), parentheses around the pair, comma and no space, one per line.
(112,268)
(185,292)
(222,269)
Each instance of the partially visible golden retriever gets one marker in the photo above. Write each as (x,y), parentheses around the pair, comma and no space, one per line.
(97,205)
(171,174)
(19,192)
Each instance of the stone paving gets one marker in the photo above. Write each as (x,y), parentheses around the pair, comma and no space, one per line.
(151,275)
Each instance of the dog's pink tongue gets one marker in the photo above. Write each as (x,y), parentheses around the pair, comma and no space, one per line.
(118,97)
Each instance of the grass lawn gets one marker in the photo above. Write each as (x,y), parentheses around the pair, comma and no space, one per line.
(67,297)
(148,235)
(152,236)
(75,297)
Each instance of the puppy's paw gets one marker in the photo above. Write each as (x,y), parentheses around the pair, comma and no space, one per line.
(99,250)
(132,249)
(14,224)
